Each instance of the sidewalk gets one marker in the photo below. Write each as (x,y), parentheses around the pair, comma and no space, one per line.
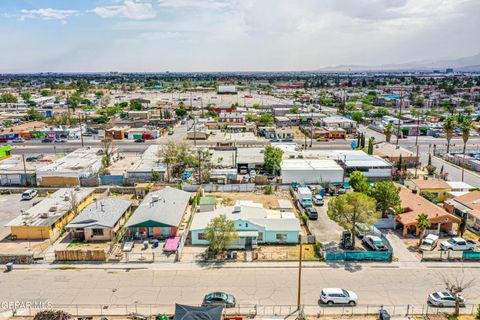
(252,265)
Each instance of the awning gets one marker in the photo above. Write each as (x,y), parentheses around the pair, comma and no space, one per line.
(245,234)
(171,244)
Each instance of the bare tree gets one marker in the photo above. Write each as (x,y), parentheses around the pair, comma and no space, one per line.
(107,150)
(456,286)
(72,199)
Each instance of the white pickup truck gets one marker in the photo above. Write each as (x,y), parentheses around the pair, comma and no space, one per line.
(458,244)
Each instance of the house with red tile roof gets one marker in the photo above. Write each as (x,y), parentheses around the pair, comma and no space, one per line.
(413,205)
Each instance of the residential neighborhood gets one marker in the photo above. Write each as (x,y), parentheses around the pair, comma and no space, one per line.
(233,160)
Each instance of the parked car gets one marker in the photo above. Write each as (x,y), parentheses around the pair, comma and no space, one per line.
(170,132)
(18,140)
(311,213)
(318,200)
(333,296)
(3,140)
(60,140)
(429,242)
(47,140)
(275,140)
(444,299)
(219,298)
(362,230)
(139,140)
(458,244)
(287,140)
(29,194)
(375,243)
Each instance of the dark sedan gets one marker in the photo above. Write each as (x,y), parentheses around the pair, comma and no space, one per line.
(219,298)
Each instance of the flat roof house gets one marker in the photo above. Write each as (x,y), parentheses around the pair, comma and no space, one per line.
(414,204)
(100,220)
(254,225)
(160,214)
(68,171)
(46,219)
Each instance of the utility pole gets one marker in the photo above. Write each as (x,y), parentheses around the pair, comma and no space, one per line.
(194,131)
(400,114)
(416,162)
(24,169)
(299,293)
(311,131)
(81,130)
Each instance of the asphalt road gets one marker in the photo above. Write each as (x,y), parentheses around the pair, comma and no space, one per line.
(265,286)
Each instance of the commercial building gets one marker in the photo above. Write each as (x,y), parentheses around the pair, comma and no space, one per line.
(46,219)
(147,166)
(16,171)
(81,164)
(393,153)
(311,171)
(101,220)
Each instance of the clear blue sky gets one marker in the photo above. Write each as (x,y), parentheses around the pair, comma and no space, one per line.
(214,35)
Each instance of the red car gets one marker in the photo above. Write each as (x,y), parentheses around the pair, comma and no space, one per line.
(140,140)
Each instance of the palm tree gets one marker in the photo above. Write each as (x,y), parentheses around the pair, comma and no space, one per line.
(449,126)
(388,131)
(423,223)
(466,127)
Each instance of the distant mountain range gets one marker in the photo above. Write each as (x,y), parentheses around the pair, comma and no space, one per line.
(468,64)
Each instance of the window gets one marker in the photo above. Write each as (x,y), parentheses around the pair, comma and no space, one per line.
(246,225)
(281,236)
(260,236)
(97,232)
(201,236)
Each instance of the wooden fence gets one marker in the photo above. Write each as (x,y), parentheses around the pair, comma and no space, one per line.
(80,255)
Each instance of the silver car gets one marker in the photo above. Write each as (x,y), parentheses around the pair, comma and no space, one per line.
(444,299)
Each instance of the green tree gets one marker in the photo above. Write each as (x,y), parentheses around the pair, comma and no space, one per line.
(33,115)
(381,112)
(353,207)
(135,106)
(266,119)
(44,93)
(449,126)
(371,141)
(73,101)
(357,116)
(387,196)
(180,112)
(423,223)
(220,233)
(388,132)
(26,96)
(465,127)
(272,159)
(294,110)
(358,182)
(251,117)
(8,98)
(177,156)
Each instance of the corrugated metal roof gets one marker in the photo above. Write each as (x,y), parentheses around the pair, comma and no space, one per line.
(105,213)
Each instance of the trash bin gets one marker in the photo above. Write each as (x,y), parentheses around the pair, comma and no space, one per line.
(145,244)
(155,243)
(9,266)
(383,315)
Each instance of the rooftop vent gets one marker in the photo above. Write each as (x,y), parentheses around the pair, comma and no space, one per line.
(237,209)
(44,215)
(53,209)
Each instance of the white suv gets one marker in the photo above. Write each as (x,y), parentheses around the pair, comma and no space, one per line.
(29,194)
(332,296)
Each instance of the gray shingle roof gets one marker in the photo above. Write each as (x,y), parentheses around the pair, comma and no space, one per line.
(165,206)
(104,213)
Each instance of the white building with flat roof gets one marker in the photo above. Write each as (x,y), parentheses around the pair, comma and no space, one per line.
(310,171)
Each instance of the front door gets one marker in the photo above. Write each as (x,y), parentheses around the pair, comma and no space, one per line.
(248,243)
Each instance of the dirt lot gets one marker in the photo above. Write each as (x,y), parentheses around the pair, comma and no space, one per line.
(229,198)
(285,253)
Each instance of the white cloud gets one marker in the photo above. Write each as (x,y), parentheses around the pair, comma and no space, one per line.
(194,4)
(130,9)
(48,14)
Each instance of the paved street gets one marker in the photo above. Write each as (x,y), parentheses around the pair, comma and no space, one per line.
(267,286)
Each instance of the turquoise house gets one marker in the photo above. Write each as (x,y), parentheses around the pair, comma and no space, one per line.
(255,225)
